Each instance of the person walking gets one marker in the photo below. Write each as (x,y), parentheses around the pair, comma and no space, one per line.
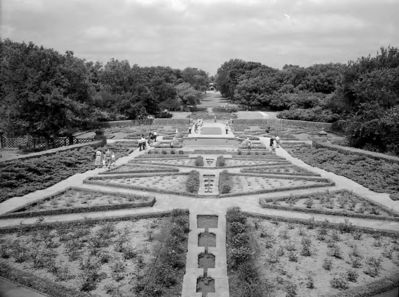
(154,135)
(271,143)
(113,159)
(142,143)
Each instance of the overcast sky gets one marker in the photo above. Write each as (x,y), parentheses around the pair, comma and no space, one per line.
(206,33)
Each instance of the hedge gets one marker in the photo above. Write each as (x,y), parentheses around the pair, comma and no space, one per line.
(225,182)
(37,283)
(328,212)
(343,227)
(86,221)
(193,182)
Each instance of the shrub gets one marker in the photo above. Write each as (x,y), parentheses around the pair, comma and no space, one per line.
(225,182)
(309,202)
(237,227)
(291,289)
(327,264)
(373,266)
(352,275)
(292,256)
(193,182)
(220,161)
(335,251)
(340,282)
(309,282)
(356,262)
(199,161)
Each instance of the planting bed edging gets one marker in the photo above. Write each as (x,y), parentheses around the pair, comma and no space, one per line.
(43,286)
(263,204)
(95,208)
(338,226)
(275,190)
(302,196)
(245,170)
(371,289)
(89,221)
(108,172)
(284,177)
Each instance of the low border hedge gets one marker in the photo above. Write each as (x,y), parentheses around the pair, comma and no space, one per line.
(339,226)
(86,221)
(309,173)
(42,285)
(328,212)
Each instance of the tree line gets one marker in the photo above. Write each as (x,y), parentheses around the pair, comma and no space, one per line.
(47,94)
(361,97)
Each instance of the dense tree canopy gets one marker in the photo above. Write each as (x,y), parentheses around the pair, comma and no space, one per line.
(363,95)
(45,93)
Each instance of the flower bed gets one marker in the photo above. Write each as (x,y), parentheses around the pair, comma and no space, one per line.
(76,200)
(20,177)
(283,169)
(378,175)
(163,183)
(181,162)
(137,168)
(102,258)
(343,203)
(306,260)
(253,184)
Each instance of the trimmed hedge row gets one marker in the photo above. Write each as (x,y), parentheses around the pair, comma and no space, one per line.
(85,222)
(308,173)
(225,182)
(240,257)
(42,285)
(164,276)
(139,171)
(193,182)
(344,227)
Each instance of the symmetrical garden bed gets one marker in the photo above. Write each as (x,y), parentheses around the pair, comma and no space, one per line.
(280,169)
(20,177)
(377,175)
(252,183)
(184,162)
(174,183)
(343,203)
(139,168)
(76,200)
(104,259)
(240,162)
(300,260)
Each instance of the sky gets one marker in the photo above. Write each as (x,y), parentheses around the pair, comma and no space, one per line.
(205,33)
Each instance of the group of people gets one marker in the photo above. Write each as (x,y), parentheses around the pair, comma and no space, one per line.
(274,143)
(144,142)
(106,159)
(197,126)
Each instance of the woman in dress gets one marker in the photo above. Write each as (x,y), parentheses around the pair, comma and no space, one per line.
(97,161)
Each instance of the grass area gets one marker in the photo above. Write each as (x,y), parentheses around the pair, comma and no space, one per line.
(378,175)
(22,176)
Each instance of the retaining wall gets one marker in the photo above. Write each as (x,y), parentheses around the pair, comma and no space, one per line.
(281,123)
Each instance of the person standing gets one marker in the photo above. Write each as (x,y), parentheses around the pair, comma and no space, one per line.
(113,159)
(277,141)
(108,158)
(97,161)
(154,135)
(271,143)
